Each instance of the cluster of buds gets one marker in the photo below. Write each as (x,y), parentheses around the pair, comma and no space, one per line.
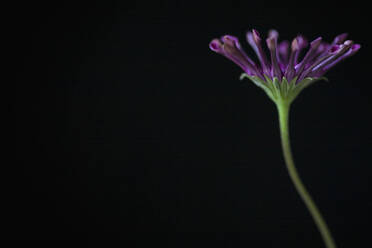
(285,63)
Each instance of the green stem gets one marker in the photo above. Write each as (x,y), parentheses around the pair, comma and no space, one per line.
(283,110)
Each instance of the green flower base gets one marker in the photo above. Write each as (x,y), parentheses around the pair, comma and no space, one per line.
(282,90)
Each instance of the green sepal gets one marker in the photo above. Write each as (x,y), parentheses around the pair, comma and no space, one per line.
(300,86)
(260,83)
(280,91)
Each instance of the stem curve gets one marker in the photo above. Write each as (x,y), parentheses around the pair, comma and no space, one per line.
(283,112)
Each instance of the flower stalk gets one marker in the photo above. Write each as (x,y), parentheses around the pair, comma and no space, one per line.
(283,112)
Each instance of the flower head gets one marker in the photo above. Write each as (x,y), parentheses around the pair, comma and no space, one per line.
(285,73)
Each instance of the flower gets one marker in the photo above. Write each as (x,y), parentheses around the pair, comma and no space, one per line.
(284,75)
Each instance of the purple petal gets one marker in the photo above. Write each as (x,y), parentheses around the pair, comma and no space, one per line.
(251,42)
(230,48)
(313,48)
(302,44)
(290,71)
(320,57)
(354,48)
(283,48)
(272,44)
(216,45)
(322,50)
(228,38)
(339,39)
(335,52)
(256,45)
(273,33)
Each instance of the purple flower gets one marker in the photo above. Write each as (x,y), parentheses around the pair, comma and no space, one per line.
(285,60)
(283,75)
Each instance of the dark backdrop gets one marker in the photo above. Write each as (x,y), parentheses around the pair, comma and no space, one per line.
(128,125)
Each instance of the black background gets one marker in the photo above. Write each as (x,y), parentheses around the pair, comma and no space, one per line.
(128,125)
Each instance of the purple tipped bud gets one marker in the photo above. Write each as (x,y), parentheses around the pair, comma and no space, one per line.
(271,43)
(275,68)
(256,45)
(273,33)
(315,43)
(251,41)
(229,46)
(231,40)
(249,37)
(302,42)
(256,36)
(295,45)
(290,70)
(215,45)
